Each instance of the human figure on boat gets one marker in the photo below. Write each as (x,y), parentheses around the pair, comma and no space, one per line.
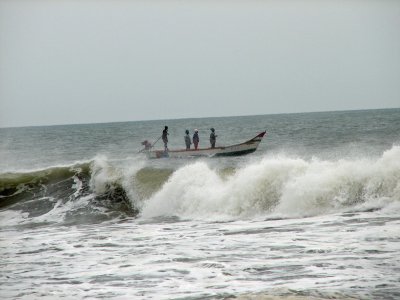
(165,138)
(196,139)
(213,138)
(188,142)
(146,144)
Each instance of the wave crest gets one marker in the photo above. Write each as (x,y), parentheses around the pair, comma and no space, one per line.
(279,185)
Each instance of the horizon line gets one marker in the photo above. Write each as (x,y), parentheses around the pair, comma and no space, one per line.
(187,118)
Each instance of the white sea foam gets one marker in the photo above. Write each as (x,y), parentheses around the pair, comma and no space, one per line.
(282,185)
(103,174)
(12,218)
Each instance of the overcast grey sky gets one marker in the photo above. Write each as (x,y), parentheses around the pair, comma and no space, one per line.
(65,62)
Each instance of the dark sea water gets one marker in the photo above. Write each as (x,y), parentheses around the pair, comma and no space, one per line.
(314,213)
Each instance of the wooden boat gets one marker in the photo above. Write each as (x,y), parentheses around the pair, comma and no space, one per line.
(234,150)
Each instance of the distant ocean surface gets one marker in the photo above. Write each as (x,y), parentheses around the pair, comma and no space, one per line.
(314,213)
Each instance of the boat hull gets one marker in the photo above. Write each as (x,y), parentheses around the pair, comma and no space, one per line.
(234,150)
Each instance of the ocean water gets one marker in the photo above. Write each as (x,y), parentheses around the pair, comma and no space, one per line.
(314,213)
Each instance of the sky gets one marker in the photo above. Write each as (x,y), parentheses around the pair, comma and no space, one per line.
(69,62)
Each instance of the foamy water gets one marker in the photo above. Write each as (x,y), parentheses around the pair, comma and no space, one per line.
(290,187)
(346,255)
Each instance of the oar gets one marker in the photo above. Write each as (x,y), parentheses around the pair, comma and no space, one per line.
(156,141)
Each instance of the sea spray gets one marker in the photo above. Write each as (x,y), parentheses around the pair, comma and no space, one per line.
(277,185)
(104,176)
(327,186)
(197,190)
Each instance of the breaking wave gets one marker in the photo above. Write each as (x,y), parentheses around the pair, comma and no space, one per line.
(280,185)
(86,192)
(102,189)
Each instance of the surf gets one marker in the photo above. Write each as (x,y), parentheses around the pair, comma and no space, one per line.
(279,185)
(84,192)
(264,186)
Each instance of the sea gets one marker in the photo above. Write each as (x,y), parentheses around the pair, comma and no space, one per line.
(314,213)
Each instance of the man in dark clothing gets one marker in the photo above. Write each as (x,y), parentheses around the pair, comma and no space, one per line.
(196,139)
(165,138)
(213,138)
(188,142)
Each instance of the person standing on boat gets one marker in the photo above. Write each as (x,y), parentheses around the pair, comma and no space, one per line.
(196,139)
(213,138)
(165,138)
(188,142)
